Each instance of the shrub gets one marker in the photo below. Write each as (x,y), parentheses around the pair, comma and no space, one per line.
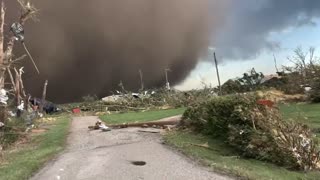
(255,131)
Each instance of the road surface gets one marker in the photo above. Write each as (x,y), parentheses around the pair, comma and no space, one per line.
(95,155)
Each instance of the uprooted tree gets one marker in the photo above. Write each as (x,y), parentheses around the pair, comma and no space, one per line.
(8,60)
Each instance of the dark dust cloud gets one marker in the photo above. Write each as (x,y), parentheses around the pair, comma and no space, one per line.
(87,47)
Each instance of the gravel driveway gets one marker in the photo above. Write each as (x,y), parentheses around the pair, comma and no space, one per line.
(108,155)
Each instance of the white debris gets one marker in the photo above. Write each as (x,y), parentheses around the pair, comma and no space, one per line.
(168,85)
(1,124)
(21,106)
(21,71)
(113,98)
(12,114)
(40,115)
(103,127)
(241,132)
(307,89)
(3,96)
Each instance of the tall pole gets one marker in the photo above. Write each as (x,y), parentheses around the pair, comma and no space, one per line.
(141,79)
(44,94)
(217,70)
(167,79)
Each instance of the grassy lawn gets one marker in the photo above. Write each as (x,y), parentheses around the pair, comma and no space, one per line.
(22,163)
(223,159)
(306,113)
(141,116)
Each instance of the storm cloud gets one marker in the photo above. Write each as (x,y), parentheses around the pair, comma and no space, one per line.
(87,47)
(249,24)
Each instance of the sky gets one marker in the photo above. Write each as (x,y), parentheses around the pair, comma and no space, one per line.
(287,38)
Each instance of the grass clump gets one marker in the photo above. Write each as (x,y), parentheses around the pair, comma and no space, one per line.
(23,162)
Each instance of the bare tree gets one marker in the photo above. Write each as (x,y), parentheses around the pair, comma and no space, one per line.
(305,62)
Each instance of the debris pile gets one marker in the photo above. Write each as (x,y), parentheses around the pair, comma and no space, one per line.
(146,100)
(256,130)
(279,96)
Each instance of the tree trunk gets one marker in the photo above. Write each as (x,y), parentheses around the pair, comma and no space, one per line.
(2,66)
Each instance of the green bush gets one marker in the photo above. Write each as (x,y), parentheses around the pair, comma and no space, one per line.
(255,131)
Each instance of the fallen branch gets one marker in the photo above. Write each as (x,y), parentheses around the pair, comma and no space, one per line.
(146,124)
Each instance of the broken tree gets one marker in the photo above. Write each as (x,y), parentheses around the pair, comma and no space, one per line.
(6,56)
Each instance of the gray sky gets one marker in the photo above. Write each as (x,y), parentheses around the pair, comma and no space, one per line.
(253,31)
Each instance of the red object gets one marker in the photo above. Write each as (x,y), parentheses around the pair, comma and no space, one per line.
(266,103)
(76,111)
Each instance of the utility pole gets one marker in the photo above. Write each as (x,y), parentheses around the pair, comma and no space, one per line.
(141,79)
(217,70)
(44,94)
(167,80)
(275,63)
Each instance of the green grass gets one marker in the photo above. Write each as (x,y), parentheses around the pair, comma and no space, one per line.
(307,113)
(223,159)
(22,163)
(140,116)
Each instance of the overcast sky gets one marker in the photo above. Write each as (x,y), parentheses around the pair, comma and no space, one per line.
(252,32)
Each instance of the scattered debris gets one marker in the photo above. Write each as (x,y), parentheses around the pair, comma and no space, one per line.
(113,98)
(266,103)
(3,96)
(1,124)
(18,31)
(21,106)
(103,127)
(278,96)
(166,123)
(160,124)
(100,125)
(76,111)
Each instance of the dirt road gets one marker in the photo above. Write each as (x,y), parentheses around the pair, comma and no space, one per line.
(108,155)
